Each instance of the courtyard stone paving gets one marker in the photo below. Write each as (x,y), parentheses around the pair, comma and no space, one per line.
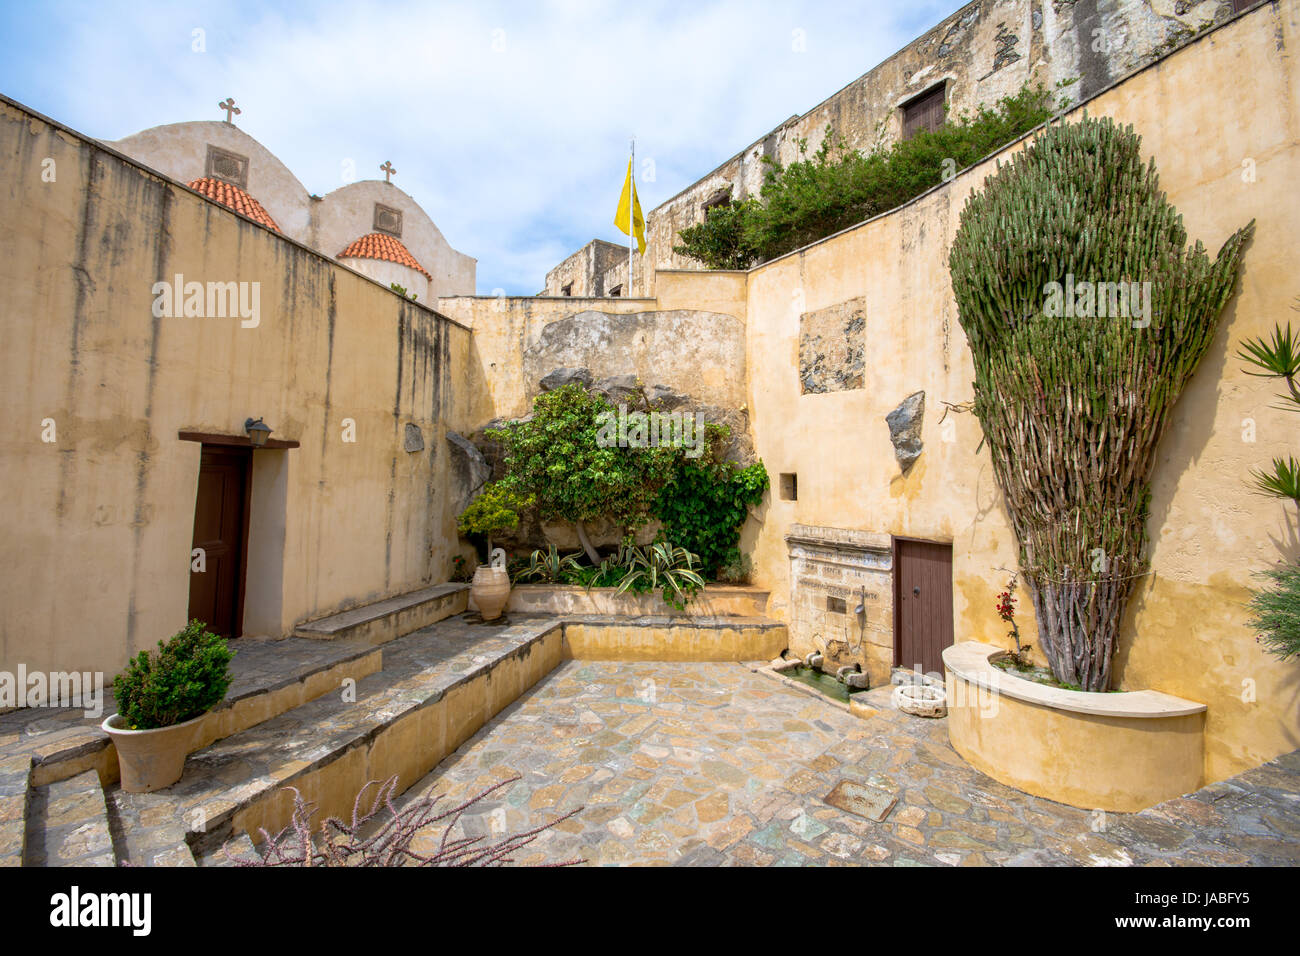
(714,764)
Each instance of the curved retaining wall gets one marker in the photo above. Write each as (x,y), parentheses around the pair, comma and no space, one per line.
(1121,751)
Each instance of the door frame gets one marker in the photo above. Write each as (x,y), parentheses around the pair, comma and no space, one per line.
(230,448)
(897,580)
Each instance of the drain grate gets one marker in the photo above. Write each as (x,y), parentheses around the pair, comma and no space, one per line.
(862,800)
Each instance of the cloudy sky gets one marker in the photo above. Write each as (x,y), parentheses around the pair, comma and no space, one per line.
(508,121)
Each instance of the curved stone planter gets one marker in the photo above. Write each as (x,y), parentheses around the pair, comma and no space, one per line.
(1121,752)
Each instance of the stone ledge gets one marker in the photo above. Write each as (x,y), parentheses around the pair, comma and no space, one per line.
(970,660)
(390,618)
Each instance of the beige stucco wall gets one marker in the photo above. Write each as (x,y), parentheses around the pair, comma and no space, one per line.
(94,563)
(1185,633)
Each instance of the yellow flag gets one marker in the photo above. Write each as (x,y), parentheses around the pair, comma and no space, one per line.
(620,217)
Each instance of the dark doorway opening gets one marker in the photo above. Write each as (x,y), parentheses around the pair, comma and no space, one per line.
(922,604)
(221,531)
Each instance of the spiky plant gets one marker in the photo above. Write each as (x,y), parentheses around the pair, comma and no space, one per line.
(1276,610)
(1073,408)
(371,840)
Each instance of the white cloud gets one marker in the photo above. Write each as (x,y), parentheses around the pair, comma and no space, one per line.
(509,122)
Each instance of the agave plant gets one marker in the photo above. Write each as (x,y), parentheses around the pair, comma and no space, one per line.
(661,566)
(548,566)
(1278,357)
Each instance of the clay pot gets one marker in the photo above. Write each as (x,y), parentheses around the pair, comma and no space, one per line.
(151,759)
(490,591)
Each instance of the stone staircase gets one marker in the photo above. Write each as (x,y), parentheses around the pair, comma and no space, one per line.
(373,693)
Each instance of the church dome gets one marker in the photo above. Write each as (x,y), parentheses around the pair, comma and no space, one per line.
(376,245)
(232,197)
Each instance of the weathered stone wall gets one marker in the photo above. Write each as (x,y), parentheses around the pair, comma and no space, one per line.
(589,270)
(94,564)
(986,50)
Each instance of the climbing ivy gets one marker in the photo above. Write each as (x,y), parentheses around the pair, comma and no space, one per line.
(703,508)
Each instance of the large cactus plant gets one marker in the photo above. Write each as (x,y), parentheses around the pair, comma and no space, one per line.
(1073,407)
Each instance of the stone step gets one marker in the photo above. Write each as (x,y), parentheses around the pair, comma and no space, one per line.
(15,786)
(67,824)
(268,678)
(238,848)
(390,618)
(145,839)
(439,685)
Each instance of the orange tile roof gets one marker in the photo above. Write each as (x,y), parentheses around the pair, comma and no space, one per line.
(232,197)
(376,245)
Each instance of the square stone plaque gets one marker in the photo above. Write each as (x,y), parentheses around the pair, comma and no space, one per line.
(861,800)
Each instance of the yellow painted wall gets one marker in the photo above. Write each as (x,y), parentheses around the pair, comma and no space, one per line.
(94,562)
(1185,632)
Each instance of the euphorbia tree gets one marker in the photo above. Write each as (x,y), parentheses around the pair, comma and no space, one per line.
(1073,406)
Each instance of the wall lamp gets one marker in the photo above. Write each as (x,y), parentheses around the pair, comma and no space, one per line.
(258,432)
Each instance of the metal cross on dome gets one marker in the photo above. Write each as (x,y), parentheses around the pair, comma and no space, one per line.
(388,170)
(230,107)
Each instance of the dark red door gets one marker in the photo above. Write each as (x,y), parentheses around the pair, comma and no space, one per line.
(922,603)
(220,528)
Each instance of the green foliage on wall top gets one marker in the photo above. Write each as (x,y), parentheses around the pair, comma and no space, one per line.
(839,187)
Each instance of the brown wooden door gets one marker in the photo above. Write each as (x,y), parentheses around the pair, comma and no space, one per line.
(220,529)
(922,604)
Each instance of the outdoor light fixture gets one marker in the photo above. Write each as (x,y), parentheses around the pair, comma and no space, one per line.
(258,431)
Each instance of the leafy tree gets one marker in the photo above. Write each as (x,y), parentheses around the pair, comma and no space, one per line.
(495,511)
(1073,408)
(556,459)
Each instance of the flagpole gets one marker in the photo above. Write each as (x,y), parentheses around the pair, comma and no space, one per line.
(631,215)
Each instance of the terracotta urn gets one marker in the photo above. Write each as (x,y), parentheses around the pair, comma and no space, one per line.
(490,591)
(151,759)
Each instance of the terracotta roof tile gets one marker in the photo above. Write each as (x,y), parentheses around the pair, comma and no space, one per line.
(232,197)
(376,245)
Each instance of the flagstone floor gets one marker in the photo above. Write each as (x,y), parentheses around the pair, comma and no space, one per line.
(713,764)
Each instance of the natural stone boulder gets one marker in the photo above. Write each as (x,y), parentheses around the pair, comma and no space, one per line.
(620,390)
(905,429)
(469,471)
(414,440)
(665,399)
(560,377)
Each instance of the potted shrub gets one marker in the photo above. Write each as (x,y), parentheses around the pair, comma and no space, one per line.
(161,697)
(495,511)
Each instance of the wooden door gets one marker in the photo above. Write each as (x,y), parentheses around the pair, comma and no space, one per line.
(922,604)
(221,530)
